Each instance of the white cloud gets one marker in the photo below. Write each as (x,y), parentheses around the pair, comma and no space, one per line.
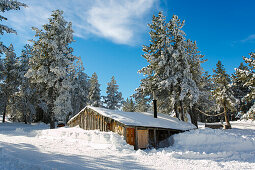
(116,20)
(249,38)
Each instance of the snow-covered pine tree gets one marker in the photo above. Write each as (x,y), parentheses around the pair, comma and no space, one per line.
(248,77)
(206,102)
(168,72)
(80,90)
(113,99)
(223,92)
(1,70)
(94,91)
(9,83)
(157,47)
(2,102)
(1,79)
(51,65)
(142,104)
(128,105)
(203,82)
(26,97)
(7,5)
(239,88)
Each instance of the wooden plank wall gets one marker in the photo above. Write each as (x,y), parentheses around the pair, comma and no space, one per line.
(91,120)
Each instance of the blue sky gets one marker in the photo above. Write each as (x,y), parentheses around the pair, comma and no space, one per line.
(109,34)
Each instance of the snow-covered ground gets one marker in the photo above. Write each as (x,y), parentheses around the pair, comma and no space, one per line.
(37,147)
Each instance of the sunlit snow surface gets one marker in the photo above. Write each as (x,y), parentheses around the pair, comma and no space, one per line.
(37,147)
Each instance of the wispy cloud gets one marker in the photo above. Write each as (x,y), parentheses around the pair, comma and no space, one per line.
(249,38)
(116,20)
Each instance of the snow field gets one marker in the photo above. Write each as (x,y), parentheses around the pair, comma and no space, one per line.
(213,141)
(37,147)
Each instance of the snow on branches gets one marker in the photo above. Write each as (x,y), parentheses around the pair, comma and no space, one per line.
(169,73)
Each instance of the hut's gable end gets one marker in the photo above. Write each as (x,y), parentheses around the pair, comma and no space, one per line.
(89,119)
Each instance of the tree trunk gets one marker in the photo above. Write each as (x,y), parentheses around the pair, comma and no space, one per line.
(51,104)
(5,106)
(176,111)
(52,120)
(30,118)
(228,126)
(193,115)
(181,111)
(26,111)
(25,118)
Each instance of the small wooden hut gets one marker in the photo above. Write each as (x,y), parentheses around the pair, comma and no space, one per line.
(141,130)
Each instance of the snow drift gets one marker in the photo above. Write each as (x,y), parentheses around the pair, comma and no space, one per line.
(37,147)
(213,141)
(91,138)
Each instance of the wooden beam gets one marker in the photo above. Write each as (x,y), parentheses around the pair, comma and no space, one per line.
(83,119)
(90,121)
(79,120)
(93,119)
(136,139)
(86,120)
(95,116)
(104,125)
(91,115)
(101,121)
(98,122)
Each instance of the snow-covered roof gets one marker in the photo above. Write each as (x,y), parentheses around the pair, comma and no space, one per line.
(144,119)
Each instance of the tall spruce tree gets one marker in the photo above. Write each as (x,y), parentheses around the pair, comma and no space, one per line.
(169,72)
(248,77)
(142,104)
(1,91)
(203,82)
(80,90)
(240,89)
(26,97)
(9,83)
(6,5)
(94,91)
(128,105)
(223,92)
(114,97)
(52,64)
(206,102)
